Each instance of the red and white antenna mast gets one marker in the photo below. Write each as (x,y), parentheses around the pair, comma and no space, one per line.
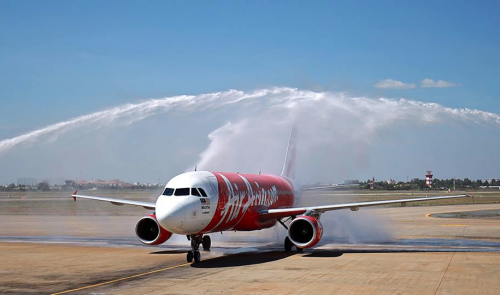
(428,178)
(372,184)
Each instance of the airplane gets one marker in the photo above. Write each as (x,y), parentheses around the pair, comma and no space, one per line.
(198,203)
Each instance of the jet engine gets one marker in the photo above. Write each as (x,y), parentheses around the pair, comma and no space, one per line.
(305,231)
(150,232)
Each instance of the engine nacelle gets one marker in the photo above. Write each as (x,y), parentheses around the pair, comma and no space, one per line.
(150,232)
(305,231)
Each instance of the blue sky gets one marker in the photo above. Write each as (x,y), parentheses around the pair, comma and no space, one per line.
(62,59)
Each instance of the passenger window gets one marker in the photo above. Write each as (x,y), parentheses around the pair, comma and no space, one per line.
(202,192)
(195,192)
(168,191)
(182,192)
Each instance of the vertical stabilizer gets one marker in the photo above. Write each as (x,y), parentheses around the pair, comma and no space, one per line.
(289,166)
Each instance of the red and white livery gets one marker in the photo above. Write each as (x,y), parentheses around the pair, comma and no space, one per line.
(198,203)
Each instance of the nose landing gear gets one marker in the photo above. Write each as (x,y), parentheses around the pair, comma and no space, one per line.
(190,256)
(196,240)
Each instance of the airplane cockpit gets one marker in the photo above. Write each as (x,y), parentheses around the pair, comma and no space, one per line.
(188,202)
(188,191)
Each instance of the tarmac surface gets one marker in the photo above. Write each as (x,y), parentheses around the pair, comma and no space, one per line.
(373,251)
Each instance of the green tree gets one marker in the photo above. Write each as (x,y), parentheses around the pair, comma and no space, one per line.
(43,186)
(11,187)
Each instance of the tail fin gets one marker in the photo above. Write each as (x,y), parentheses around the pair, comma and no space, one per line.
(289,166)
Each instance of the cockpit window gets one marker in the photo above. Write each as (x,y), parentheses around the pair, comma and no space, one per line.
(195,192)
(168,191)
(203,193)
(182,192)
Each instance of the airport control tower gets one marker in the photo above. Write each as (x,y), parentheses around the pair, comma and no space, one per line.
(428,179)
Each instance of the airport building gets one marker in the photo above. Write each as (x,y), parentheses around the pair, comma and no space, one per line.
(27,181)
(99,183)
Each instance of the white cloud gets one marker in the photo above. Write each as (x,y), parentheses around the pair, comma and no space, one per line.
(438,84)
(394,84)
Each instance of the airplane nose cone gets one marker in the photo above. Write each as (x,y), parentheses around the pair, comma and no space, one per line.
(169,213)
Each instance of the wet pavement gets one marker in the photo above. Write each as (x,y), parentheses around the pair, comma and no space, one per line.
(379,251)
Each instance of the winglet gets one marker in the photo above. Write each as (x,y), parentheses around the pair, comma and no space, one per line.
(74,198)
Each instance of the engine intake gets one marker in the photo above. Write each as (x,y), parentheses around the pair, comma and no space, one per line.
(150,232)
(305,231)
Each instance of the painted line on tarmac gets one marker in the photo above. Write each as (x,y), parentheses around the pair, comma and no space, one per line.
(453,225)
(121,279)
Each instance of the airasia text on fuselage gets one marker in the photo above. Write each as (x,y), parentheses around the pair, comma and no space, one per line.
(241,196)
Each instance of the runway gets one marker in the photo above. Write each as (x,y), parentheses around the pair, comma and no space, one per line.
(420,255)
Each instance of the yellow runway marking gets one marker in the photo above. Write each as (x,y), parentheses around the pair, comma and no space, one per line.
(122,279)
(453,225)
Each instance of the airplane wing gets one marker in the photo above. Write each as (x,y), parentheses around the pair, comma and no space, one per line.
(280,213)
(119,202)
(327,187)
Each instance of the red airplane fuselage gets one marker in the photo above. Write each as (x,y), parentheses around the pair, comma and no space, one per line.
(227,201)
(242,196)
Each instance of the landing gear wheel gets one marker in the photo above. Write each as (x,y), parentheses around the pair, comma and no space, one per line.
(288,244)
(300,250)
(206,242)
(197,256)
(196,240)
(189,256)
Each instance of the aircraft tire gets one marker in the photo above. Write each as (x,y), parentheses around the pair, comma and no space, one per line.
(197,256)
(288,244)
(300,250)
(189,256)
(207,243)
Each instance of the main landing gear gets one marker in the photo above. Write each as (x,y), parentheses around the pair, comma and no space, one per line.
(288,243)
(196,240)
